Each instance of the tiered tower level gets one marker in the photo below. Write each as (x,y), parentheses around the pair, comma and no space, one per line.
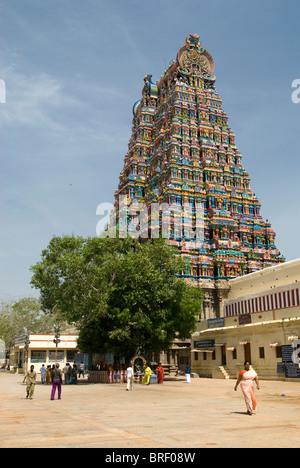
(182,155)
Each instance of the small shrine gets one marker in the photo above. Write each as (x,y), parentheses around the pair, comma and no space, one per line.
(139,364)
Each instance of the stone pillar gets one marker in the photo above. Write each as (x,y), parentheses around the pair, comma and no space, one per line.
(215,292)
(222,291)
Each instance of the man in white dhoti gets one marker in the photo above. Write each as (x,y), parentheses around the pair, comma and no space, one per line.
(130,376)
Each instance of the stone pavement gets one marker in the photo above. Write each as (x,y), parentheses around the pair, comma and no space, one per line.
(204,414)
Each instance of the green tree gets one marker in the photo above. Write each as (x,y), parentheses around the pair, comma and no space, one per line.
(124,296)
(25,313)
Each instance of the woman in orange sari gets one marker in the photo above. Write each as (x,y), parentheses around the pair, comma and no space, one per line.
(160,373)
(247,377)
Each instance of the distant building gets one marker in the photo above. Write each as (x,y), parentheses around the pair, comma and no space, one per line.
(261,324)
(42,350)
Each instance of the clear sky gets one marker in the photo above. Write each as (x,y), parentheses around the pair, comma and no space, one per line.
(73,70)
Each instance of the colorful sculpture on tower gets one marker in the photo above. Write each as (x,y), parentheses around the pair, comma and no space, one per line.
(183,158)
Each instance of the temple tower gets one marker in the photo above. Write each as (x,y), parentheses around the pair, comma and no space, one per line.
(182,157)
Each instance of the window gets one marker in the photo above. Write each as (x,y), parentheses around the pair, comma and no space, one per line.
(71,355)
(60,356)
(38,356)
(262,353)
(278,352)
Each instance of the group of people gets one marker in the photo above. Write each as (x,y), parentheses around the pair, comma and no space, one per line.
(247,380)
(71,373)
(147,375)
(53,375)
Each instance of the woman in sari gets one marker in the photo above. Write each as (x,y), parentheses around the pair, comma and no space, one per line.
(147,376)
(73,375)
(48,375)
(160,373)
(246,379)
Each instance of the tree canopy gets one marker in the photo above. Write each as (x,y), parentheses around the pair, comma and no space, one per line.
(123,296)
(25,313)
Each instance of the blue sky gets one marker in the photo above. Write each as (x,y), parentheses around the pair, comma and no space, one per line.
(73,71)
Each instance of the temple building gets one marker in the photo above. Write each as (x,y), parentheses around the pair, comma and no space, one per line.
(183,165)
(183,179)
(261,324)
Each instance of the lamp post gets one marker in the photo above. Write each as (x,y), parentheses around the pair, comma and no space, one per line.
(56,339)
(26,347)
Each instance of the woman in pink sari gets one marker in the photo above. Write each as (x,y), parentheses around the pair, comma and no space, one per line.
(247,377)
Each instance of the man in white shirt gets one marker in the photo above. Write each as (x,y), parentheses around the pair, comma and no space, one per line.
(66,371)
(130,376)
(43,371)
(81,370)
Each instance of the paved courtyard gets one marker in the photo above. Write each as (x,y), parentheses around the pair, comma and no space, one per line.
(204,414)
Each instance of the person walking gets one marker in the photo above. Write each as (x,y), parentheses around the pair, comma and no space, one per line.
(30,378)
(130,377)
(246,379)
(66,371)
(49,375)
(56,382)
(160,373)
(147,376)
(43,372)
(81,370)
(73,375)
(188,373)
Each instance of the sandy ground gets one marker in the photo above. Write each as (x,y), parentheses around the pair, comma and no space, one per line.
(204,414)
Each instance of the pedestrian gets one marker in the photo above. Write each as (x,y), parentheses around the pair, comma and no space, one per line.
(70,373)
(81,370)
(130,377)
(30,378)
(147,376)
(73,375)
(43,372)
(66,371)
(160,373)
(49,375)
(56,382)
(188,373)
(246,379)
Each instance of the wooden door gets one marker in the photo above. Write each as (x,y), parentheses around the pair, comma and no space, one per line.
(247,352)
(223,353)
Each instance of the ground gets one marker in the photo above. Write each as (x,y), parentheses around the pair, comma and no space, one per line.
(206,413)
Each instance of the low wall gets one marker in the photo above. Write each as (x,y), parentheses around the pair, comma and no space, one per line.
(107,376)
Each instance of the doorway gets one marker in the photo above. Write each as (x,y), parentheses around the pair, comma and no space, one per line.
(223,355)
(247,348)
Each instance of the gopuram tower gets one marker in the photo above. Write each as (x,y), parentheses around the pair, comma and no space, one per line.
(182,157)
